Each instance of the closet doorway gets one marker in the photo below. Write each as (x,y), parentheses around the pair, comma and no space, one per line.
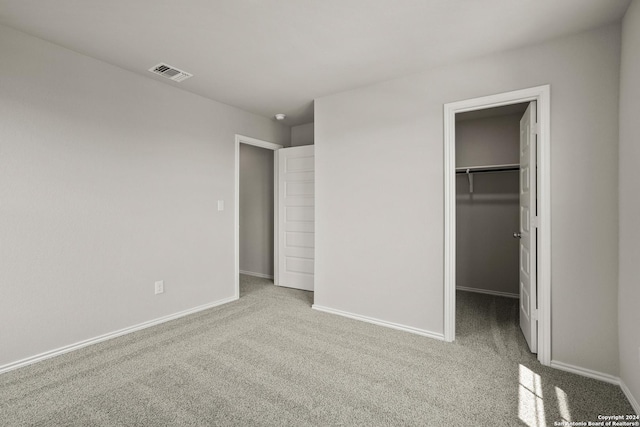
(489,236)
(497,207)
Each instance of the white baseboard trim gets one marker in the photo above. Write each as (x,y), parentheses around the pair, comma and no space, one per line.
(585,372)
(261,275)
(486,291)
(632,400)
(379,322)
(66,349)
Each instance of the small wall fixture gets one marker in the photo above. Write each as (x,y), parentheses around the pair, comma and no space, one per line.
(280,116)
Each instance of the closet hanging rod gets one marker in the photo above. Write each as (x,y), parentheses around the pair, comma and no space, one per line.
(488,168)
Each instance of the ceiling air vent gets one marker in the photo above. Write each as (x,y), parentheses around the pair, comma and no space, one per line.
(172,73)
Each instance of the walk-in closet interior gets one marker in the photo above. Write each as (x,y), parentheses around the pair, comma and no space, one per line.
(488,213)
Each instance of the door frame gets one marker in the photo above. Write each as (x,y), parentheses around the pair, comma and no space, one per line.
(541,94)
(241,139)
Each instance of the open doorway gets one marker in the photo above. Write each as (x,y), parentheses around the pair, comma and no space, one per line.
(480,184)
(488,229)
(256,226)
(293,221)
(256,207)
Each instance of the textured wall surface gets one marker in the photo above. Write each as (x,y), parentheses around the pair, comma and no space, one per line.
(380,183)
(629,202)
(302,135)
(108,182)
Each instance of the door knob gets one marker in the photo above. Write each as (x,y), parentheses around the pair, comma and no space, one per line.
(517,235)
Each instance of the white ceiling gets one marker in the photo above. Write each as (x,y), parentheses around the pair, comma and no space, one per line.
(272,56)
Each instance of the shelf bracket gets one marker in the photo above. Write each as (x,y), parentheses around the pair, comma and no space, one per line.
(470,176)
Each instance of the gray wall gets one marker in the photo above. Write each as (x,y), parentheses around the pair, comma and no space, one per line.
(256,210)
(629,312)
(302,135)
(486,252)
(488,141)
(108,182)
(379,190)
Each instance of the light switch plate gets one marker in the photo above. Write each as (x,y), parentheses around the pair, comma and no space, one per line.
(159,287)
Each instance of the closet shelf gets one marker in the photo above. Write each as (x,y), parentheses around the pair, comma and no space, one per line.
(470,170)
(488,168)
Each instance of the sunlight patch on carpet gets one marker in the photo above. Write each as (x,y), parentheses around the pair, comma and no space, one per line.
(530,399)
(563,404)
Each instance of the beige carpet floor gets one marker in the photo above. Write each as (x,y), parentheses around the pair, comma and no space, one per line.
(269,359)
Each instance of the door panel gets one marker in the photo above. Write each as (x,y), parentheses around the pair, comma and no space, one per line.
(528,283)
(296,217)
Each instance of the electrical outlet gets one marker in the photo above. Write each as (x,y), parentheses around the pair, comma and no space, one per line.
(159,287)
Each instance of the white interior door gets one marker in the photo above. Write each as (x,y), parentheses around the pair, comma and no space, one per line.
(296,217)
(528,175)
